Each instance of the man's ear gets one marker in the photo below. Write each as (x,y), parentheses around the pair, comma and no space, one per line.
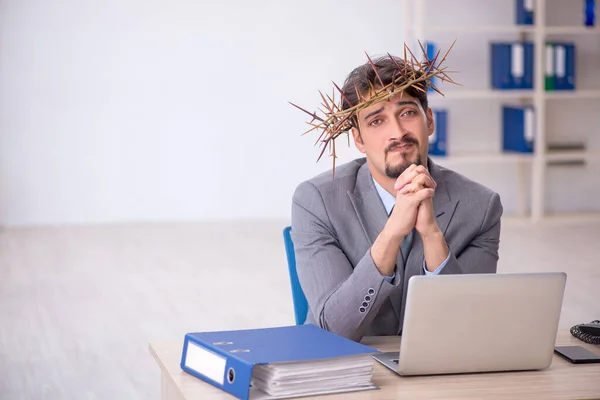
(358,140)
(430,122)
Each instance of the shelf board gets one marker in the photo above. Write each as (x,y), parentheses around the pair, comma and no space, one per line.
(476,158)
(483,28)
(573,94)
(481,94)
(560,218)
(469,158)
(513,94)
(565,217)
(576,30)
(573,155)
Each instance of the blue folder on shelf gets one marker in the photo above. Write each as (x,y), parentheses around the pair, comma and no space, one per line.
(564,66)
(438,139)
(430,56)
(518,129)
(512,65)
(524,12)
(590,13)
(226,359)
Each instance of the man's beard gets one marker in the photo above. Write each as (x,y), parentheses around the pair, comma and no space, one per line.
(394,171)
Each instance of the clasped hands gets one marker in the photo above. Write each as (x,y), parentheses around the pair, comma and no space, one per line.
(414,205)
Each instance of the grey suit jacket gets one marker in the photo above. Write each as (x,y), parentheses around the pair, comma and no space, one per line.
(335,220)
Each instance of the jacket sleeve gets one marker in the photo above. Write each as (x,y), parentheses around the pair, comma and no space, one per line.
(343,298)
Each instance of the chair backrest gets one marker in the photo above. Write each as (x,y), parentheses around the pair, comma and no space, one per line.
(300,303)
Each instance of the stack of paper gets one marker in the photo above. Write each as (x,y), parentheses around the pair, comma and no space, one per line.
(313,377)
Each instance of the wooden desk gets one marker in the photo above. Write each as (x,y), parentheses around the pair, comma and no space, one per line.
(562,380)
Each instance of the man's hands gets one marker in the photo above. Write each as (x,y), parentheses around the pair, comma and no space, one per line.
(417,180)
(413,179)
(413,209)
(416,184)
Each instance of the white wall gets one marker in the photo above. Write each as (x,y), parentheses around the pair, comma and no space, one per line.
(131,110)
(127,110)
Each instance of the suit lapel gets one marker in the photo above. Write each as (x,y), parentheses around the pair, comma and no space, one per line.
(372,216)
(443,204)
(367,205)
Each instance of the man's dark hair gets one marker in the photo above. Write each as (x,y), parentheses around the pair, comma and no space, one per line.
(363,78)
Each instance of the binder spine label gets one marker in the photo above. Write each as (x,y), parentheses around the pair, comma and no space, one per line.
(517,60)
(561,61)
(549,60)
(529,128)
(205,362)
(528,5)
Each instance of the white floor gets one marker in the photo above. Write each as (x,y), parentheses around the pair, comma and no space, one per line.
(79,305)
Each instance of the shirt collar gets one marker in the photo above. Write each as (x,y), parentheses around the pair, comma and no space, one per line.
(386,197)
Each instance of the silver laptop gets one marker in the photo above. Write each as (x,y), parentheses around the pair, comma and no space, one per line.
(478,323)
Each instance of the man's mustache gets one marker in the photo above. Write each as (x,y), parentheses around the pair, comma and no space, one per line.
(403,142)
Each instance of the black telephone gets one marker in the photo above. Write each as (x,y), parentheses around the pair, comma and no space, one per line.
(589,333)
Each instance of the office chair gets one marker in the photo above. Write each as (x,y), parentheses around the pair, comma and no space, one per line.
(300,303)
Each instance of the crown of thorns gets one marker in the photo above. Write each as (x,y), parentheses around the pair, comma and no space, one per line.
(409,72)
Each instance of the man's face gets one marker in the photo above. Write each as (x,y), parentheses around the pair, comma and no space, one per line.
(394,134)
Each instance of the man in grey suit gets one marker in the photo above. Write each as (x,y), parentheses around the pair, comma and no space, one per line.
(360,235)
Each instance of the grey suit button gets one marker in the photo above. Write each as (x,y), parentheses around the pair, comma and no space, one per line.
(362,309)
(368,298)
(365,304)
(371,291)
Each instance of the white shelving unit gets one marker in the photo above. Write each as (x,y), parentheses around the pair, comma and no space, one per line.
(535,163)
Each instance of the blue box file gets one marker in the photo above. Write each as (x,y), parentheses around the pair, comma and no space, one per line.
(589,13)
(564,66)
(512,65)
(438,139)
(518,129)
(431,50)
(524,10)
(225,359)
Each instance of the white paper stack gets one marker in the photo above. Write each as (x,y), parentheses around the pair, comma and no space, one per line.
(285,380)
